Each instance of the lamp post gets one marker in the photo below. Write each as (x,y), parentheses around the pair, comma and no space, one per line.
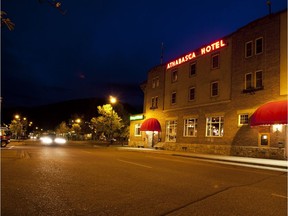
(112,100)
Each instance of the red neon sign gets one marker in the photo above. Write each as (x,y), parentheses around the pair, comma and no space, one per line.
(204,50)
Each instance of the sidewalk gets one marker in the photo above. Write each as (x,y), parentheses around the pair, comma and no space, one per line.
(276,164)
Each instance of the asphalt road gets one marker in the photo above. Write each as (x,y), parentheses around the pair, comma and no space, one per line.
(88,180)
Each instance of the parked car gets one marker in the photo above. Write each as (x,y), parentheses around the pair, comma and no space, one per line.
(5,135)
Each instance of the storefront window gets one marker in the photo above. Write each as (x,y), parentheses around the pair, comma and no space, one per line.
(215,126)
(190,127)
(171,130)
(137,131)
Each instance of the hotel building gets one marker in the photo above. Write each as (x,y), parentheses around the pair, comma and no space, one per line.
(228,97)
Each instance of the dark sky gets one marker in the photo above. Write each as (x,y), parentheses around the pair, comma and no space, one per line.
(103,47)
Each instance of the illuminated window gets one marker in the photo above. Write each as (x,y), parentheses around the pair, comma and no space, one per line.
(258,80)
(193,69)
(137,131)
(215,61)
(192,94)
(154,102)
(155,82)
(243,119)
(173,98)
(171,130)
(214,89)
(190,127)
(248,81)
(264,139)
(258,45)
(248,49)
(215,126)
(174,77)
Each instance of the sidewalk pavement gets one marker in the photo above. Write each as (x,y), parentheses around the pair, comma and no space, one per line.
(281,165)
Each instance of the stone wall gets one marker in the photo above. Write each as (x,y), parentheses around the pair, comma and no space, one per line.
(242,151)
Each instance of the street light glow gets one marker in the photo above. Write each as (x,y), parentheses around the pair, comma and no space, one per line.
(113,100)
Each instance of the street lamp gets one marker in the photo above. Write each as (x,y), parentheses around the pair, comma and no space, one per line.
(113,100)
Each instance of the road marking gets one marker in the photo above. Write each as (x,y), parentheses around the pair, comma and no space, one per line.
(10,147)
(137,164)
(281,196)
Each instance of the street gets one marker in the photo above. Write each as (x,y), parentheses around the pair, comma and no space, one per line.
(91,180)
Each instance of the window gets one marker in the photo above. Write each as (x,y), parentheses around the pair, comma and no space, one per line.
(243,119)
(173,98)
(155,82)
(258,46)
(214,89)
(171,130)
(190,127)
(253,83)
(192,94)
(137,131)
(154,102)
(258,80)
(215,61)
(248,81)
(264,139)
(193,69)
(248,49)
(215,126)
(174,76)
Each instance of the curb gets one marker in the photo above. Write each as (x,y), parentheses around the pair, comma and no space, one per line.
(233,161)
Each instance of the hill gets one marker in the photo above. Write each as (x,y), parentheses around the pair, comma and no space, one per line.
(51,115)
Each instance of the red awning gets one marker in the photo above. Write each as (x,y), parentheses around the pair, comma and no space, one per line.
(270,113)
(150,124)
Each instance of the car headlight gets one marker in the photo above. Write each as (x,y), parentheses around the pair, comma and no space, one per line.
(60,140)
(46,140)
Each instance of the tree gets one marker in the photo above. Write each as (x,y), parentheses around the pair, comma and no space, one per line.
(16,128)
(62,129)
(108,122)
(6,21)
(76,128)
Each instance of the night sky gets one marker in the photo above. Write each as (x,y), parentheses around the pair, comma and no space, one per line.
(103,47)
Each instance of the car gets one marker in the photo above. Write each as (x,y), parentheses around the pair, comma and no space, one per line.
(52,139)
(4,136)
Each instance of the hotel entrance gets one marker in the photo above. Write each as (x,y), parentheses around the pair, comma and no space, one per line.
(152,128)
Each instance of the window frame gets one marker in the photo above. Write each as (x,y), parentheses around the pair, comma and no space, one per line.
(173,99)
(137,129)
(174,76)
(256,79)
(186,124)
(212,89)
(155,82)
(194,94)
(171,133)
(240,119)
(246,49)
(209,124)
(256,45)
(260,135)
(218,60)
(154,102)
(195,69)
(251,81)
